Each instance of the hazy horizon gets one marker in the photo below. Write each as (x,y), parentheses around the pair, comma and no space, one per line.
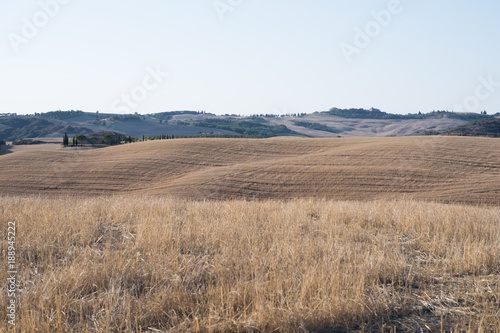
(230,114)
(248,57)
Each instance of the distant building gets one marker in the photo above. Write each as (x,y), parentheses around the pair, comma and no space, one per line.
(106,137)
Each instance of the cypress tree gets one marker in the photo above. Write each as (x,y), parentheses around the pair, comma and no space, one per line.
(65,140)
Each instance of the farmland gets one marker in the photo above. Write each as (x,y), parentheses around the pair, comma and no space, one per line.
(443,169)
(272,235)
(147,264)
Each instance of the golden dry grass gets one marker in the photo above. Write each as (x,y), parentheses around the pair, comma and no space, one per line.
(444,169)
(125,264)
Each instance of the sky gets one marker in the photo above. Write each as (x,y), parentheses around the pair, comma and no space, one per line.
(249,56)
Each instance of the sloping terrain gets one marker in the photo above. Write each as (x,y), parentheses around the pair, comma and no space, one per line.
(483,127)
(15,128)
(333,123)
(355,127)
(445,169)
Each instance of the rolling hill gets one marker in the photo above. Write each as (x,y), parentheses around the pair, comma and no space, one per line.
(443,169)
(332,123)
(482,127)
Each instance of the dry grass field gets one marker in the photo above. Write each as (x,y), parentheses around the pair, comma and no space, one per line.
(442,169)
(124,264)
(240,235)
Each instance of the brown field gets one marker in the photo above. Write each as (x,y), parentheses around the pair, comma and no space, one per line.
(275,235)
(443,169)
(123,264)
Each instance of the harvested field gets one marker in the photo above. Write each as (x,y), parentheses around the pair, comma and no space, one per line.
(275,235)
(443,169)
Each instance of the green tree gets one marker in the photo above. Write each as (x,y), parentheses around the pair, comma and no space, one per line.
(80,138)
(65,140)
(107,139)
(92,140)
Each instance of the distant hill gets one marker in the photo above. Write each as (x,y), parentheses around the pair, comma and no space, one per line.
(56,123)
(332,123)
(481,127)
(16,128)
(377,114)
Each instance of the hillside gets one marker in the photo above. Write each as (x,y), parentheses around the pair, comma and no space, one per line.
(332,123)
(54,125)
(482,127)
(314,125)
(444,169)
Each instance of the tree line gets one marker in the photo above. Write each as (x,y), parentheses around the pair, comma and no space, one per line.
(82,139)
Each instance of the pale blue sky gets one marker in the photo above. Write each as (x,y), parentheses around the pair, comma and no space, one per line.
(274,56)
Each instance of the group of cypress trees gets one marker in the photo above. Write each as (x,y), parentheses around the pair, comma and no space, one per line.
(74,141)
(157,137)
